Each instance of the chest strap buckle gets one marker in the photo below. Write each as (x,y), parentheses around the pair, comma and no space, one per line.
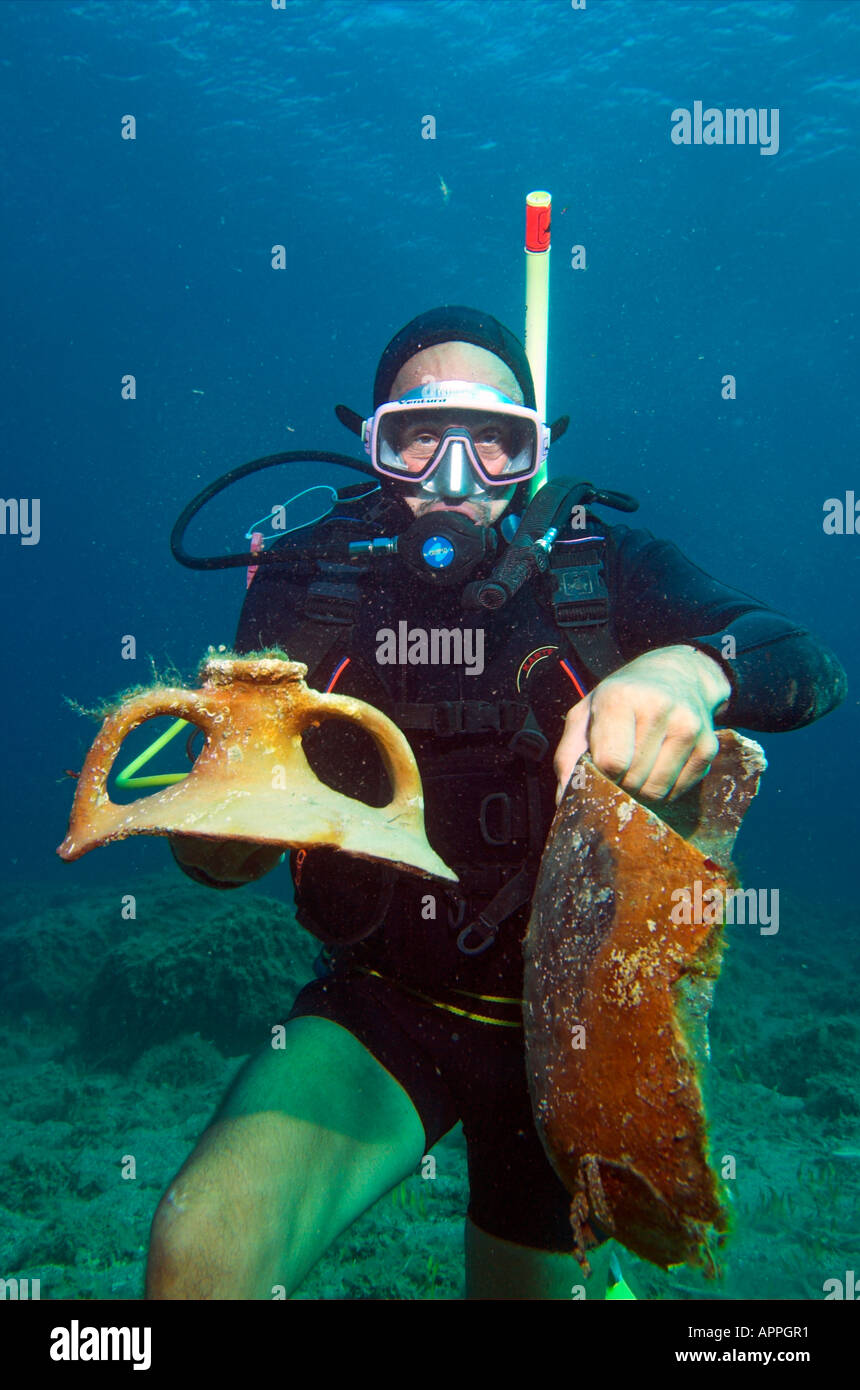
(485,926)
(530,742)
(485,933)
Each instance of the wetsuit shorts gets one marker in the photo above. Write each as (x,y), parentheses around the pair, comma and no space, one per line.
(455,1068)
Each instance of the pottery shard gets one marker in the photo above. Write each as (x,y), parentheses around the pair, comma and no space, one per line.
(616,1001)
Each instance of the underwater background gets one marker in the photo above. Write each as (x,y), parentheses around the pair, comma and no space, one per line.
(301,125)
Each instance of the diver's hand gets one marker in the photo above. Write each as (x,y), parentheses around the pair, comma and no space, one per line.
(650,725)
(225,861)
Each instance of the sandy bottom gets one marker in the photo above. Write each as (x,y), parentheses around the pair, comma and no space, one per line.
(119,1037)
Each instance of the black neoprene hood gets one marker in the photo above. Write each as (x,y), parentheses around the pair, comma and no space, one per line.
(453,323)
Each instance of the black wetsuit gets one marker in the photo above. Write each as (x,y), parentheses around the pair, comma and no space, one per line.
(447,1024)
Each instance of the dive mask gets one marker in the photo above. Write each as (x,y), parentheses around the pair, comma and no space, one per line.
(454,428)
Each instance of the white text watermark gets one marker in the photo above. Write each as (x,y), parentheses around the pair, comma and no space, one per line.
(710,906)
(734,126)
(435,646)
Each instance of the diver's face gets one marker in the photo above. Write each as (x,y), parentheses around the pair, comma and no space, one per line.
(457,362)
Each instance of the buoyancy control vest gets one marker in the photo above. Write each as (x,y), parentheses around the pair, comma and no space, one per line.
(483,738)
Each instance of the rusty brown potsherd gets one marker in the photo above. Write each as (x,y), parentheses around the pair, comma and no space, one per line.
(616,1001)
(252,781)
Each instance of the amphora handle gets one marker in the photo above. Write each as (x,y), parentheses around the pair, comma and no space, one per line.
(397,756)
(93,806)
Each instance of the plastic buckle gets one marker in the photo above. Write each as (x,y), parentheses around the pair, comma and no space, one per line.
(486,933)
(581,598)
(582,613)
(481,717)
(447,719)
(529,743)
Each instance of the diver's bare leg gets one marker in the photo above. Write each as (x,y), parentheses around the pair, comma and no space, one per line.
(499,1269)
(306,1140)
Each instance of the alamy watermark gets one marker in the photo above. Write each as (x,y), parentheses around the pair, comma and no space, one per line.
(712,906)
(842,518)
(734,126)
(20,1289)
(20,516)
(848,1288)
(435,646)
(77,1343)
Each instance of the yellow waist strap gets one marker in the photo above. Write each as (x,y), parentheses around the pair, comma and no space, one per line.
(453,1008)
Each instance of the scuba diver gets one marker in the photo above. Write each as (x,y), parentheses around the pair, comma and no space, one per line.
(592,635)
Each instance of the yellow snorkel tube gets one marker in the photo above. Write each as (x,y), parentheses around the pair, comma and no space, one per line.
(538,218)
(126,778)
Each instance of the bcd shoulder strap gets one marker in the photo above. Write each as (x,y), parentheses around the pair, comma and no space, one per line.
(581,605)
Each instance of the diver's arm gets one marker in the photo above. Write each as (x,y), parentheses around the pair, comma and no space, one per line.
(699,654)
(781,676)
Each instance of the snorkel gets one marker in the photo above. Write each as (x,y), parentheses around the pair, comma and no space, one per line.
(537,247)
(550,504)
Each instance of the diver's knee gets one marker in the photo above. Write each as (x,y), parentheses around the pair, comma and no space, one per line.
(181,1247)
(196,1250)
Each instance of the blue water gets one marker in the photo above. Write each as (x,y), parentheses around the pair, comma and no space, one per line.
(301,126)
